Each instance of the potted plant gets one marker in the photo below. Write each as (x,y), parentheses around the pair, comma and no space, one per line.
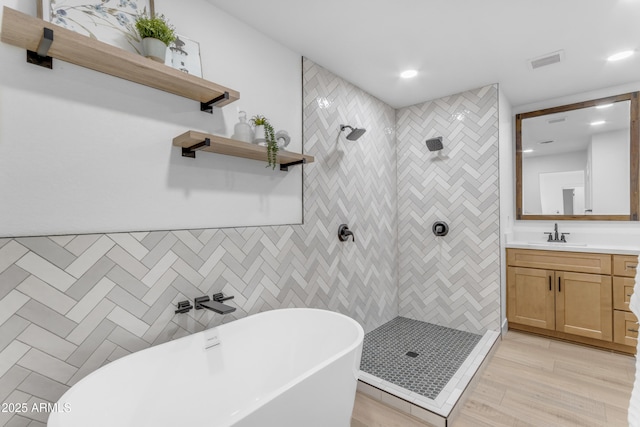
(156,34)
(264,128)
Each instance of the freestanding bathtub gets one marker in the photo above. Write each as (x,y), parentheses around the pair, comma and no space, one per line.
(280,368)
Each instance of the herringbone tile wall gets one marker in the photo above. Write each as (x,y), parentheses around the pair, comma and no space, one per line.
(70,304)
(454,280)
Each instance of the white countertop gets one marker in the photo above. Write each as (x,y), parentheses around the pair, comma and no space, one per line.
(576,247)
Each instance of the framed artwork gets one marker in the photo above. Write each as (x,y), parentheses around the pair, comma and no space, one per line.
(110,21)
(184,55)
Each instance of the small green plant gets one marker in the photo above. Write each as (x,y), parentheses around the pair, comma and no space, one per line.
(157,27)
(270,137)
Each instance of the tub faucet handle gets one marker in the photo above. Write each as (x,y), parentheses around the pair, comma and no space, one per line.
(220,297)
(184,307)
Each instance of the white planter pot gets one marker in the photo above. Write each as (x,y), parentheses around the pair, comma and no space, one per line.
(154,49)
(259,135)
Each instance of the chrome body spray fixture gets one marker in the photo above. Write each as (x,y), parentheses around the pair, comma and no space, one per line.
(440,228)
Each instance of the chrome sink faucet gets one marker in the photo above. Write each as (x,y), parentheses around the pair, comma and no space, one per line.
(553,236)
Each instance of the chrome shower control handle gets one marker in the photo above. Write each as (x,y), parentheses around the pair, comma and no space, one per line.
(344,233)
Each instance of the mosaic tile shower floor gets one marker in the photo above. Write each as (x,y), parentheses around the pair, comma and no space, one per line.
(440,352)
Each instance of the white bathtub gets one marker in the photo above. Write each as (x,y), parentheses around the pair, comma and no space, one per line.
(290,367)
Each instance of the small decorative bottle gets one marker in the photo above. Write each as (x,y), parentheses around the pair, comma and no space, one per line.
(242,130)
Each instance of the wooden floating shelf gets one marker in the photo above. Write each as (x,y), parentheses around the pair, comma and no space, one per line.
(27,32)
(192,141)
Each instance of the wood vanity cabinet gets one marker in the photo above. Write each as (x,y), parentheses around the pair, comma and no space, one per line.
(570,295)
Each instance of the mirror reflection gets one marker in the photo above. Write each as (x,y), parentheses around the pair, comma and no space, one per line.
(577,162)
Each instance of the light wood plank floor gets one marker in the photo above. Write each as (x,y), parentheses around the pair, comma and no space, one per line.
(533,381)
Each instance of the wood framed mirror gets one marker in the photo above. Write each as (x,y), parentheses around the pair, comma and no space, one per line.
(579,161)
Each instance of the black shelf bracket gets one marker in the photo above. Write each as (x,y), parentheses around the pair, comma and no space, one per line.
(191,151)
(207,107)
(285,166)
(40,57)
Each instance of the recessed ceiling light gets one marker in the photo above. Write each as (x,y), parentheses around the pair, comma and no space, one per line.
(620,55)
(407,74)
(529,150)
(600,107)
(597,123)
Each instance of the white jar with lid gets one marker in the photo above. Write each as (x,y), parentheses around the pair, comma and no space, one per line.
(242,130)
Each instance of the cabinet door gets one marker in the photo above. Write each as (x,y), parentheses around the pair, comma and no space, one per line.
(530,297)
(625,328)
(583,305)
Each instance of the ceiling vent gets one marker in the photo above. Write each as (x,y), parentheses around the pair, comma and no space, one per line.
(548,59)
(557,120)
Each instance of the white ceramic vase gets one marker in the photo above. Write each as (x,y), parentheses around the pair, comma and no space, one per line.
(259,135)
(154,49)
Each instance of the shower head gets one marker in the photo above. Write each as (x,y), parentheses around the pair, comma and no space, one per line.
(434,144)
(355,132)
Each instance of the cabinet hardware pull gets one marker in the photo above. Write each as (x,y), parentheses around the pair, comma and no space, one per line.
(629,295)
(632,330)
(632,267)
(550,283)
(559,285)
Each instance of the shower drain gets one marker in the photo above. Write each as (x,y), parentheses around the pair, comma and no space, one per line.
(412,354)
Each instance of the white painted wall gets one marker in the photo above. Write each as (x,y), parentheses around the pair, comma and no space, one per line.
(620,233)
(533,167)
(506,143)
(83,152)
(610,172)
